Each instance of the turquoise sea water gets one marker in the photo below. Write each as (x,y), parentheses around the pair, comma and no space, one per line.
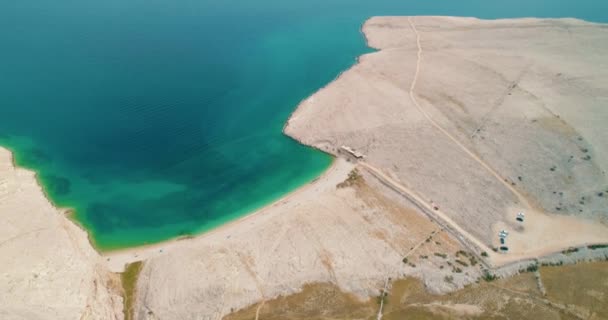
(157,118)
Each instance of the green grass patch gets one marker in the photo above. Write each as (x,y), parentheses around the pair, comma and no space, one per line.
(129,285)
(488,277)
(570,250)
(597,246)
(532,268)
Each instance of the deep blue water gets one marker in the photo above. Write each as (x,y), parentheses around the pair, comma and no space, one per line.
(158,118)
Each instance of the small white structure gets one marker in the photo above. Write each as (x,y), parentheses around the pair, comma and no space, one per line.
(520,217)
(503,234)
(352,152)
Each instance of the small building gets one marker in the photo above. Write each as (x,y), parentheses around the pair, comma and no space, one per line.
(503,234)
(520,217)
(352,152)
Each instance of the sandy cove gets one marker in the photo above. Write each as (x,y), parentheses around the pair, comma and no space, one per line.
(463,122)
(473,117)
(118,259)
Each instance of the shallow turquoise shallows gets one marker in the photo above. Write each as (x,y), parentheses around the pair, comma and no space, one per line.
(159,118)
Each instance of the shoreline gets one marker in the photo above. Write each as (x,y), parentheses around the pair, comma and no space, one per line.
(136,250)
(320,141)
(69,212)
(38,240)
(357,237)
(118,259)
(336,78)
(140,253)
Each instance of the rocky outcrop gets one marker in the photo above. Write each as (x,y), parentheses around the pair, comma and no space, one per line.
(49,269)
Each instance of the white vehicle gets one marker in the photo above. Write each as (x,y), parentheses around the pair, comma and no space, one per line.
(503,234)
(520,217)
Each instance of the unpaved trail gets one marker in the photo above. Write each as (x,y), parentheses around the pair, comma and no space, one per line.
(520,197)
(399,188)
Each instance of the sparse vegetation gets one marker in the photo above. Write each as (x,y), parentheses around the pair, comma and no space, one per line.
(570,250)
(382,298)
(472,260)
(462,263)
(456,270)
(484,254)
(405,260)
(407,298)
(424,257)
(129,284)
(532,268)
(442,255)
(353,178)
(487,276)
(597,246)
(461,252)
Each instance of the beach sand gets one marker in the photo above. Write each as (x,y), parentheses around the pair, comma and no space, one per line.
(352,236)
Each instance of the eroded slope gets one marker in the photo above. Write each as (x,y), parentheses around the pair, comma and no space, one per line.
(49,270)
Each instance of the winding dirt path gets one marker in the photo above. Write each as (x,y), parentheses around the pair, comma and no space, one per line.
(498,177)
